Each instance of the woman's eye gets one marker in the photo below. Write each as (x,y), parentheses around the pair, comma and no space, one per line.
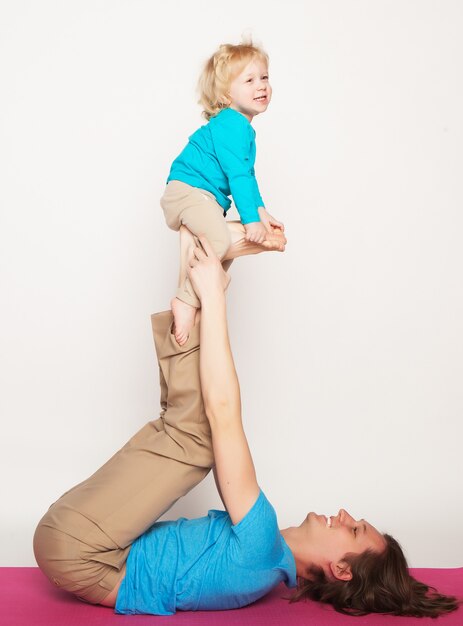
(355,531)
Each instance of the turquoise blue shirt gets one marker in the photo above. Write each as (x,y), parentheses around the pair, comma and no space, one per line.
(206,563)
(220,157)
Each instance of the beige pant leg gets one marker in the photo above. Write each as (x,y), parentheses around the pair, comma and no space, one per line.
(198,210)
(82,542)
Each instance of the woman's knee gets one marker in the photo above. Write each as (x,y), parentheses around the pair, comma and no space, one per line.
(73,565)
(53,549)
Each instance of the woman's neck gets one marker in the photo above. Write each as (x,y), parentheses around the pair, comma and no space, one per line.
(292,536)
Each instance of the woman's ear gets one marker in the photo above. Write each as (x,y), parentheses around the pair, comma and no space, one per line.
(341,570)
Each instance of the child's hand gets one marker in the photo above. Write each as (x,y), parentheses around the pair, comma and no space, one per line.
(256,232)
(268,221)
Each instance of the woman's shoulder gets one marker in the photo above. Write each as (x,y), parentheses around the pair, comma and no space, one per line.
(256,539)
(261,514)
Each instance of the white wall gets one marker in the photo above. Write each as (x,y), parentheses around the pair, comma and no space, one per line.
(348,346)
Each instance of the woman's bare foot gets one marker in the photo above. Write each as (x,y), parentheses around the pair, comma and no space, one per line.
(275,240)
(184,319)
(240,246)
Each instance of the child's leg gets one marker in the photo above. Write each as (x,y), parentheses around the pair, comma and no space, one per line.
(199,211)
(83,541)
(203,216)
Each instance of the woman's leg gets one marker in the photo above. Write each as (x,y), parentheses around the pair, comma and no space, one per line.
(83,541)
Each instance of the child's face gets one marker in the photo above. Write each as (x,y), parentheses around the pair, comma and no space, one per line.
(251,92)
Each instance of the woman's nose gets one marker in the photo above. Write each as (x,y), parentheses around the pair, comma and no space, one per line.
(345,518)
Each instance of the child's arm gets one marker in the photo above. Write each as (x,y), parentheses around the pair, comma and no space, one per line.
(234,148)
(257,231)
(268,221)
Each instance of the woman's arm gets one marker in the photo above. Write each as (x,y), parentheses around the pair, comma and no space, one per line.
(220,387)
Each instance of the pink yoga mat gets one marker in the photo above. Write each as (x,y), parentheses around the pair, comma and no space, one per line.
(28,599)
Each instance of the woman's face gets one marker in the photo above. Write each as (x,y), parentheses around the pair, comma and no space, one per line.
(250,92)
(331,538)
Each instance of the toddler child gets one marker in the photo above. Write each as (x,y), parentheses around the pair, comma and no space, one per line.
(217,162)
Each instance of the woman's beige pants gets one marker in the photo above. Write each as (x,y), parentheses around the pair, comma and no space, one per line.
(83,541)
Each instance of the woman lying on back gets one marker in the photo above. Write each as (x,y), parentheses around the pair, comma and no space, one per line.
(100,540)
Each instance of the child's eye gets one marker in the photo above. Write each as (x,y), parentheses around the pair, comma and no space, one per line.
(355,531)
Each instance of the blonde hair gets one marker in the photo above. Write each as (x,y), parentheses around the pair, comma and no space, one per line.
(220,70)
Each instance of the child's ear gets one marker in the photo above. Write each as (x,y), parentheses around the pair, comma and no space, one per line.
(225,101)
(341,570)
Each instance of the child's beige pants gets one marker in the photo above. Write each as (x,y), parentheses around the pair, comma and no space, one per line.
(199,211)
(83,540)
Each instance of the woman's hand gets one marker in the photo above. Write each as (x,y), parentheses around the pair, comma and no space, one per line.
(206,272)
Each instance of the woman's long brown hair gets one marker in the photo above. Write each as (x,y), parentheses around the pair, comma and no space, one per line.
(380,583)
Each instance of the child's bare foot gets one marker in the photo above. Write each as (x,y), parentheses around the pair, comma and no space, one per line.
(184,319)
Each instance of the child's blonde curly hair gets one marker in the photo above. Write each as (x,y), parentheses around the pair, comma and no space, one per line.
(220,70)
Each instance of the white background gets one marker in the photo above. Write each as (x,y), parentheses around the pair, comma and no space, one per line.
(348,346)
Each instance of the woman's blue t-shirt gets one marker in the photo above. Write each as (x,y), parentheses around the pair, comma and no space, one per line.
(206,563)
